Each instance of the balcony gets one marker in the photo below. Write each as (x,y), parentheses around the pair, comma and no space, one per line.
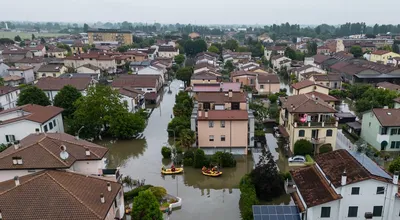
(320,140)
(316,120)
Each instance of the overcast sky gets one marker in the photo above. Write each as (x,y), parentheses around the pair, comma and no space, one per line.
(204,11)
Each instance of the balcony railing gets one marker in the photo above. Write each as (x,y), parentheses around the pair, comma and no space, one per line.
(316,124)
(320,140)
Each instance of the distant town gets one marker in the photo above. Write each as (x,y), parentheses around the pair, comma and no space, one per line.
(179,121)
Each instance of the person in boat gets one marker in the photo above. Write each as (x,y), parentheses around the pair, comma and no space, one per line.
(173,168)
(204,169)
(163,168)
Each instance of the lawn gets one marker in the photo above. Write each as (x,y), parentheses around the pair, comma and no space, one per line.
(27,35)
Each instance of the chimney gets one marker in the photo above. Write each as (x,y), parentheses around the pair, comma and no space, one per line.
(16,180)
(206,114)
(102,200)
(87,152)
(109,186)
(344,178)
(230,93)
(37,131)
(396,178)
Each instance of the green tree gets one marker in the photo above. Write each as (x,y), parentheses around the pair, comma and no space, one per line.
(356,50)
(66,98)
(289,52)
(231,45)
(1,81)
(273,98)
(395,48)
(248,197)
(394,165)
(166,152)
(200,159)
(179,59)
(312,48)
(6,41)
(64,46)
(42,40)
(22,44)
(33,95)
(187,138)
(213,49)
(303,147)
(267,181)
(229,66)
(158,192)
(85,28)
(185,74)
(126,125)
(325,148)
(17,38)
(177,124)
(194,47)
(218,46)
(146,207)
(33,37)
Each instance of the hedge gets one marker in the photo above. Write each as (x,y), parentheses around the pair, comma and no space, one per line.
(166,152)
(309,160)
(223,159)
(130,195)
(248,197)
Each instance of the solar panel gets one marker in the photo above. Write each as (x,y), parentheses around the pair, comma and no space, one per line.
(370,165)
(275,212)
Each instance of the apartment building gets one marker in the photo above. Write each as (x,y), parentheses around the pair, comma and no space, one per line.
(98,36)
(8,97)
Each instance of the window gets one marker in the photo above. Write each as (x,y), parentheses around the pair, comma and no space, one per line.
(149,89)
(397,144)
(10,138)
(261,86)
(380,190)
(377,211)
(393,131)
(206,106)
(329,133)
(237,80)
(355,191)
(352,211)
(369,124)
(211,138)
(54,122)
(211,124)
(325,212)
(222,124)
(222,137)
(235,106)
(51,125)
(392,144)
(383,130)
(45,128)
(301,133)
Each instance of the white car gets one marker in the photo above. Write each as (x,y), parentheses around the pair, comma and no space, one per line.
(297,159)
(181,87)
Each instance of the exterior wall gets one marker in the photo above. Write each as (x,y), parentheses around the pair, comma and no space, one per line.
(383,58)
(200,81)
(9,100)
(119,210)
(3,69)
(330,84)
(51,74)
(268,88)
(313,88)
(294,135)
(126,38)
(89,166)
(235,134)
(19,129)
(314,213)
(57,54)
(151,71)
(133,102)
(10,174)
(59,127)
(168,54)
(106,65)
(28,75)
(245,80)
(83,69)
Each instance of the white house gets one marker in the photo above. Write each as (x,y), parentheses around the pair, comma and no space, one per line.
(17,123)
(88,68)
(277,50)
(3,69)
(151,70)
(26,72)
(167,51)
(346,185)
(280,61)
(51,86)
(305,69)
(133,98)
(8,97)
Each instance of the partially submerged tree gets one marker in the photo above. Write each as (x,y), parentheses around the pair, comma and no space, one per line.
(66,98)
(146,207)
(33,95)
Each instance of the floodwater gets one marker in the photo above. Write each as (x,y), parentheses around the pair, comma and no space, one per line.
(202,197)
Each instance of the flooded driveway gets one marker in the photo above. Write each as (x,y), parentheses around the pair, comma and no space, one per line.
(202,197)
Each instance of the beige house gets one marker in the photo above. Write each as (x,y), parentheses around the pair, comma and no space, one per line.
(98,36)
(330,80)
(51,70)
(267,83)
(307,86)
(307,117)
(88,68)
(104,62)
(57,52)
(204,77)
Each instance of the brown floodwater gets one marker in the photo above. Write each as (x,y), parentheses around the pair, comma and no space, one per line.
(202,197)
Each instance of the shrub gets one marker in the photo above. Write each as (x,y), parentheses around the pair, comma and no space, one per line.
(395,165)
(188,158)
(3,147)
(158,192)
(273,98)
(130,195)
(303,147)
(259,133)
(200,159)
(188,162)
(285,175)
(309,160)
(166,152)
(325,148)
(223,159)
(248,197)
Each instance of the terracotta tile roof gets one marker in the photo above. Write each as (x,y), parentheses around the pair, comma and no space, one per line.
(31,60)
(303,84)
(216,87)
(389,86)
(339,65)
(380,52)
(56,50)
(31,112)
(7,89)
(151,96)
(229,115)
(56,84)
(166,49)
(334,163)
(21,68)
(305,103)
(327,77)
(12,78)
(352,69)
(243,73)
(55,194)
(17,51)
(210,54)
(221,97)
(268,78)
(203,65)
(41,151)
(387,117)
(50,68)
(325,97)
(130,92)
(313,186)
(135,53)
(205,75)
(299,69)
(319,58)
(136,81)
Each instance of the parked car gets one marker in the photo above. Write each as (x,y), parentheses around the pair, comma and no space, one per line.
(297,159)
(181,87)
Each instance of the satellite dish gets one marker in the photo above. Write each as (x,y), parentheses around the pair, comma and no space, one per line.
(64,155)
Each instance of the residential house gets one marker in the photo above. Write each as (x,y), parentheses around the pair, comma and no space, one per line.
(267,83)
(250,66)
(280,61)
(201,67)
(345,185)
(214,87)
(57,52)
(323,50)
(38,50)
(330,80)
(244,78)
(167,51)
(14,54)
(3,69)
(152,70)
(77,47)
(13,80)
(205,77)
(80,196)
(237,57)
(88,68)
(133,98)
(51,70)
(36,62)
(8,97)
(307,86)
(51,86)
(135,66)
(319,59)
(381,128)
(222,122)
(136,56)
(306,116)
(19,122)
(382,56)
(104,62)
(299,71)
(389,86)
(151,52)
(100,36)
(207,57)
(273,51)
(25,72)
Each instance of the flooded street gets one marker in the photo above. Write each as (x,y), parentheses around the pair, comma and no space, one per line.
(202,197)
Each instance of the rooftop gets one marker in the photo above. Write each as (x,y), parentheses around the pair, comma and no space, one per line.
(103,30)
(387,117)
(21,68)
(90,66)
(380,52)
(306,83)
(56,194)
(228,115)
(216,87)
(56,84)
(130,92)
(50,68)
(306,103)
(389,86)
(325,97)
(31,60)
(7,89)
(30,112)
(319,58)
(268,78)
(221,97)
(136,81)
